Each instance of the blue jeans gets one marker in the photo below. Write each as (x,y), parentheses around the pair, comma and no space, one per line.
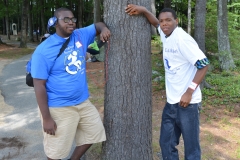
(177,120)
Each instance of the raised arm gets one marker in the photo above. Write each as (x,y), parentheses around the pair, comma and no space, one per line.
(104,32)
(133,9)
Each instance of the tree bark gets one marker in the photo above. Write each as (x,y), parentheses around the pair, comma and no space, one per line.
(189,17)
(30,28)
(224,51)
(97,11)
(4,26)
(128,93)
(7,19)
(43,28)
(80,13)
(199,31)
(199,24)
(23,42)
(153,29)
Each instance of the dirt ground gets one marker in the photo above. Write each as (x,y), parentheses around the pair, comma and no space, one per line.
(220,129)
(6,47)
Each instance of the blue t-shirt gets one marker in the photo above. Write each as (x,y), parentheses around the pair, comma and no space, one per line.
(66,83)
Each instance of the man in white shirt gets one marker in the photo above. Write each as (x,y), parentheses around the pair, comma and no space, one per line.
(185,67)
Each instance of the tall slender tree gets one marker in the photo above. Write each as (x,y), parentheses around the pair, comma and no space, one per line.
(30,26)
(189,17)
(7,18)
(80,13)
(127,105)
(97,11)
(199,24)
(199,30)
(43,24)
(224,51)
(153,9)
(23,42)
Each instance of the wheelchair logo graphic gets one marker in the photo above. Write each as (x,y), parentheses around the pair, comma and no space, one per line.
(73,58)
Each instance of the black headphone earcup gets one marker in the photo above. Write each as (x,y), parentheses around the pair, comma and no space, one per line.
(51,30)
(51,25)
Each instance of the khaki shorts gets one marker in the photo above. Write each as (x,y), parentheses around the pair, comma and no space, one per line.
(81,121)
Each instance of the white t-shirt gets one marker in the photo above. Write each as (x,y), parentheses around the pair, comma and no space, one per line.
(180,53)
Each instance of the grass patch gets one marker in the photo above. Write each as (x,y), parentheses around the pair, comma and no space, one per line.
(15,53)
(94,151)
(238,152)
(225,90)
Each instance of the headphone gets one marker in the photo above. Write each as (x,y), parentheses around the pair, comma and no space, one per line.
(51,25)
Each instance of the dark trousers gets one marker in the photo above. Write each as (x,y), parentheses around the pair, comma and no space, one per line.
(92,51)
(177,121)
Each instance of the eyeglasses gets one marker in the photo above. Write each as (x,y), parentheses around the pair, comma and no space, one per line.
(67,19)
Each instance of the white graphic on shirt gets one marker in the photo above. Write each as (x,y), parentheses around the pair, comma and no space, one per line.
(168,68)
(78,44)
(74,62)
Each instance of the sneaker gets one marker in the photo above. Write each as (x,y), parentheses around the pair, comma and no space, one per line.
(89,60)
(94,59)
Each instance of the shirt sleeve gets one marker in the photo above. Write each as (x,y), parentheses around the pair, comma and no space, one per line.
(39,66)
(190,49)
(88,34)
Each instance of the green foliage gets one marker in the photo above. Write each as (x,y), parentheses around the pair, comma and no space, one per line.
(156,40)
(225,89)
(157,64)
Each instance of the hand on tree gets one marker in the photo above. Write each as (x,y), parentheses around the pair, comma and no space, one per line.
(133,9)
(105,34)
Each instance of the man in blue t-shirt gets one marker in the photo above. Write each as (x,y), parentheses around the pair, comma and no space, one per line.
(61,88)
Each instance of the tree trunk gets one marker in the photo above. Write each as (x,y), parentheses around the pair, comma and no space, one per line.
(167,3)
(189,17)
(199,31)
(199,24)
(153,9)
(97,11)
(7,19)
(7,26)
(4,26)
(18,18)
(224,55)
(128,93)
(23,42)
(43,28)
(80,13)
(30,28)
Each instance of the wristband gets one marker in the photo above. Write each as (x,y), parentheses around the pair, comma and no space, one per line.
(193,85)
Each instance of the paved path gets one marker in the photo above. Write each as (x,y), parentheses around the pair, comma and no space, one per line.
(20,127)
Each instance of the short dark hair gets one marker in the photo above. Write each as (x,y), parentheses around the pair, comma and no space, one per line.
(56,12)
(169,10)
